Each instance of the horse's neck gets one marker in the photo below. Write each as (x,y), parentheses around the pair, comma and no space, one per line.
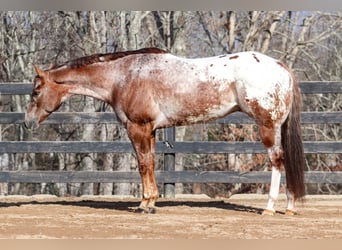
(81,82)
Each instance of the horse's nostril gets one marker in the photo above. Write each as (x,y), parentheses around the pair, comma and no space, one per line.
(29,124)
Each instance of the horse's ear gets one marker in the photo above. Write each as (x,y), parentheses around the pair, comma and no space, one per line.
(40,72)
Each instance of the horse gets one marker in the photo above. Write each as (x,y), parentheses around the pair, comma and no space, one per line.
(151,88)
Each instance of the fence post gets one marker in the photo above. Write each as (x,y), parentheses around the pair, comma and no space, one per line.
(169,161)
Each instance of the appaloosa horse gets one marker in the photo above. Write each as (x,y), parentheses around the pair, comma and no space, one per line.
(151,89)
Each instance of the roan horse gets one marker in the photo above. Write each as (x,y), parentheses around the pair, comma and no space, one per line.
(150,89)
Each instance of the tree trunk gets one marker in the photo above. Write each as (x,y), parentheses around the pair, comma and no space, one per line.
(130,26)
(300,41)
(231,30)
(107,131)
(87,163)
(275,17)
(179,47)
(4,162)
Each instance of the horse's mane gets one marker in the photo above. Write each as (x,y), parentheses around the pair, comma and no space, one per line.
(87,60)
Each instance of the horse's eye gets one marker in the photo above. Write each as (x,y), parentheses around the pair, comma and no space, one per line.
(35,94)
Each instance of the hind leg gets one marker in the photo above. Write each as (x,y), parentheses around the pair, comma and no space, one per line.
(274,191)
(271,138)
(275,155)
(290,210)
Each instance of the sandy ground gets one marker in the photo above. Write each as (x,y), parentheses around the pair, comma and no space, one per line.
(238,217)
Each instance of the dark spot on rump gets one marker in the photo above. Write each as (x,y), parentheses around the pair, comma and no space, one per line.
(233,57)
(225,65)
(211,65)
(255,57)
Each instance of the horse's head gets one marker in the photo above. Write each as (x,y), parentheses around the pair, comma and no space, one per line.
(47,96)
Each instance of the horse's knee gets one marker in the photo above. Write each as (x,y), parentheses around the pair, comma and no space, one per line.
(152,195)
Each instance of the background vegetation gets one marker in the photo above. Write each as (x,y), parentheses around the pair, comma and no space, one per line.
(308,42)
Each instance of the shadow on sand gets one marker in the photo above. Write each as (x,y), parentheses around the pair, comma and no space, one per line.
(131,205)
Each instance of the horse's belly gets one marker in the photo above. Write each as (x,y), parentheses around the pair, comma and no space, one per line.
(179,117)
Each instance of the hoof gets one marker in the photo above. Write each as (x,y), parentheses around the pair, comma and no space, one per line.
(152,210)
(290,212)
(140,210)
(268,212)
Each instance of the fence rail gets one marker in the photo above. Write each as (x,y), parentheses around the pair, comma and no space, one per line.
(161,176)
(306,88)
(185,147)
(169,175)
(108,117)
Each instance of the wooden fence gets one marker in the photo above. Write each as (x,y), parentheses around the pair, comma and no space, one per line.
(169,147)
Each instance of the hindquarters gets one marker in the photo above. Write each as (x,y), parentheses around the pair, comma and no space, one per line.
(285,146)
(277,113)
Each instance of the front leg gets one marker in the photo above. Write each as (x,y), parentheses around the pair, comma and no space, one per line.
(142,137)
(149,187)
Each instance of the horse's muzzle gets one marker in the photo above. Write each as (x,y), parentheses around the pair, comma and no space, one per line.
(30,124)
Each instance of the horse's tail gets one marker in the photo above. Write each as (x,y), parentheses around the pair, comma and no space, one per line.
(291,140)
